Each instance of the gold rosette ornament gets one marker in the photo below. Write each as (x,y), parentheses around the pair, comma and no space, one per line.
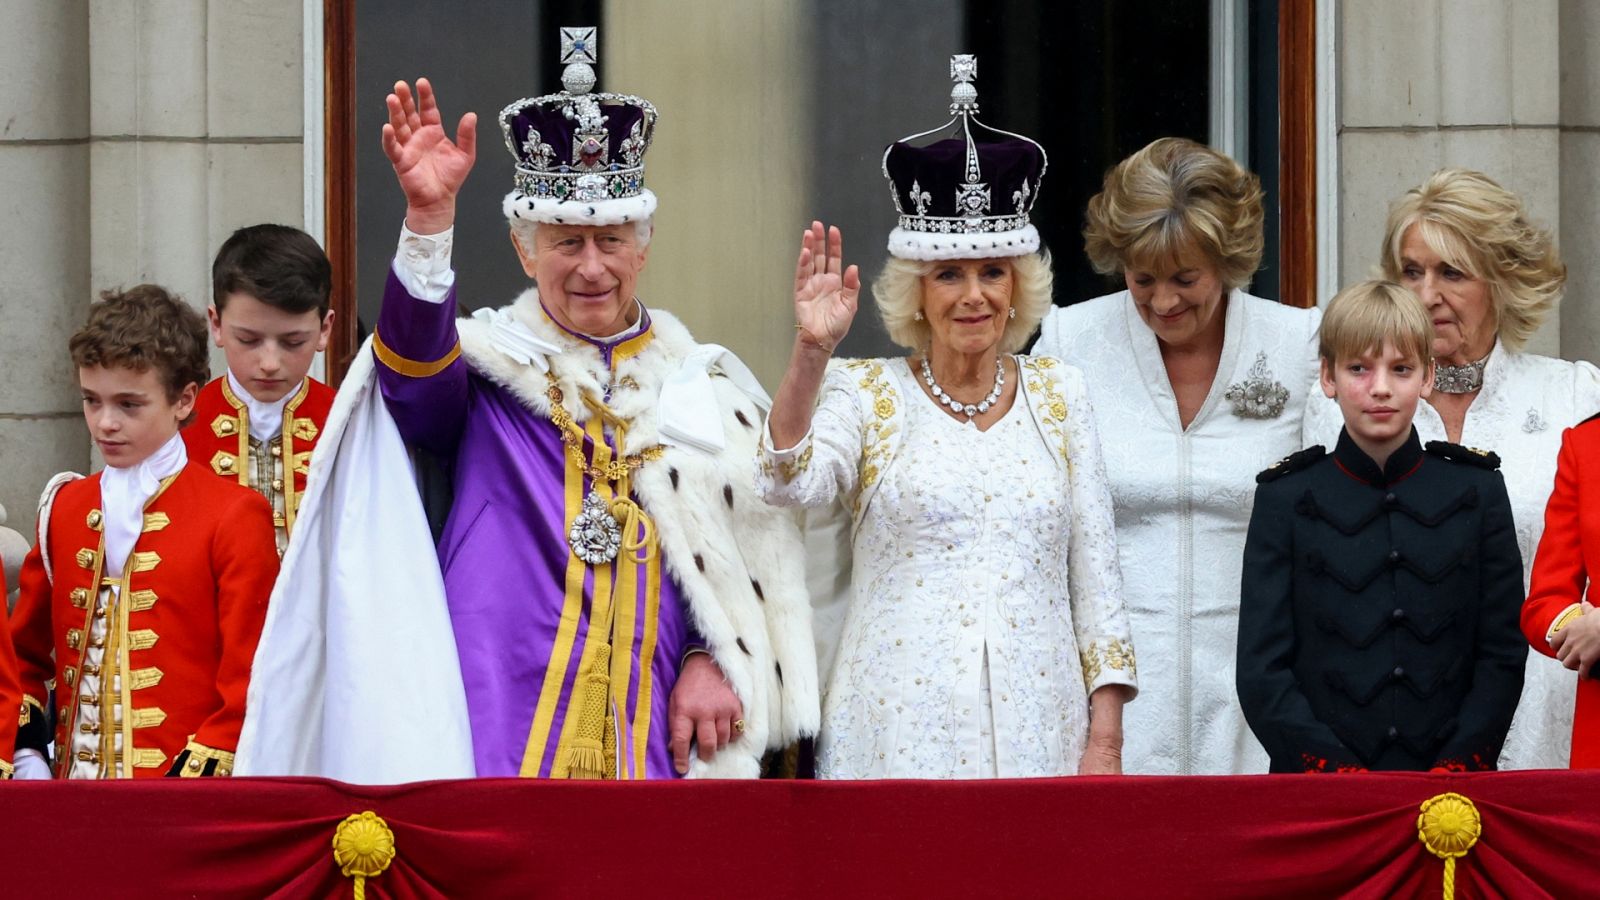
(363,846)
(1448,826)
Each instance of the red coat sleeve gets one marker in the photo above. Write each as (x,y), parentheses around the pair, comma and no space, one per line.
(11,704)
(32,633)
(1559,574)
(245,556)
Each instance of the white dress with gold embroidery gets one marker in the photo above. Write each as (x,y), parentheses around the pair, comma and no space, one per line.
(987,602)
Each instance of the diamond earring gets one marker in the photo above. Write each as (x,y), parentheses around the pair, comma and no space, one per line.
(1013,313)
(917,315)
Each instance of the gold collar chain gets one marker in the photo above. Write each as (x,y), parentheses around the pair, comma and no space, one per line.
(572,438)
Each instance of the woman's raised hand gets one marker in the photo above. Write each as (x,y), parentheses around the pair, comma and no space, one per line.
(429,166)
(825,292)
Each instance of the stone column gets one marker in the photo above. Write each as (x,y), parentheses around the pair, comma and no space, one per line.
(196,124)
(44,202)
(134,137)
(1580,177)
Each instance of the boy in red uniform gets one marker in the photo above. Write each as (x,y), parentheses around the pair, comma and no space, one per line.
(143,600)
(259,422)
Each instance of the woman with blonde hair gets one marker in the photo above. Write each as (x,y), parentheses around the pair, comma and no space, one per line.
(1490,277)
(1197,386)
(985,634)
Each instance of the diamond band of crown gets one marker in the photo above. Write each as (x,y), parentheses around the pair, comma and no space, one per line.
(601,161)
(962,224)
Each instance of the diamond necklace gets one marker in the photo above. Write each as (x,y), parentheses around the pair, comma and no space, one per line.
(1462,379)
(967,409)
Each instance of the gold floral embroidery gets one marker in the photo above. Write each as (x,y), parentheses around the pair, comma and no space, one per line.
(875,432)
(790,469)
(1043,383)
(1116,654)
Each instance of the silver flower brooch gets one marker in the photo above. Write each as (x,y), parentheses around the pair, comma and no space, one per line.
(1259,395)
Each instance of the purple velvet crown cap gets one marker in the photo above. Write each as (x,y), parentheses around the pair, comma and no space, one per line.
(579,155)
(967,196)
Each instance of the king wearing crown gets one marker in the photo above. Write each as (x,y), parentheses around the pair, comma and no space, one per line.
(613,589)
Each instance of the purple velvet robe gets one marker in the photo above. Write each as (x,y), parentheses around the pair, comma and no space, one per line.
(519,601)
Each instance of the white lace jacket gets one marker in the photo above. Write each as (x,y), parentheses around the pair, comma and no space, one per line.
(1183,499)
(1525,403)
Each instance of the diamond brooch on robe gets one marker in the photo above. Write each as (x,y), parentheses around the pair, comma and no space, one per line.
(1259,395)
(1534,424)
(596,536)
(596,532)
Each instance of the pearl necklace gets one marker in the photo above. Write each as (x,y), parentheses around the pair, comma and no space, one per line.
(967,409)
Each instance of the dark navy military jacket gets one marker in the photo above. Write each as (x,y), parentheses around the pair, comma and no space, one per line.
(1378,620)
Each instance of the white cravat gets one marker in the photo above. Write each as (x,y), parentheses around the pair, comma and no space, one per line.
(266,419)
(125,491)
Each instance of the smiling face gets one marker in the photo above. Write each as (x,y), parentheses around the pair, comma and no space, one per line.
(129,413)
(1180,301)
(1458,304)
(269,349)
(587,274)
(1378,392)
(967,303)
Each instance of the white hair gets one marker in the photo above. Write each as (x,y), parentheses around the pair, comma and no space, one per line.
(525,230)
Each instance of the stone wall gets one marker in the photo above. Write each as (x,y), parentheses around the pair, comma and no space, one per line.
(44,194)
(135,135)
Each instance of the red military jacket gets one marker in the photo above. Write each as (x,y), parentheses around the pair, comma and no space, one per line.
(13,712)
(219,437)
(1567,561)
(193,596)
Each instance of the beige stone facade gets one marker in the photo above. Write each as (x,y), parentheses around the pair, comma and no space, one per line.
(135,135)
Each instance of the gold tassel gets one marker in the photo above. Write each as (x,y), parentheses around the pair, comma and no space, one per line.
(586,758)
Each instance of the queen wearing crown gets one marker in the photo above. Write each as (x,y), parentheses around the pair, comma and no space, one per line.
(608,591)
(984,633)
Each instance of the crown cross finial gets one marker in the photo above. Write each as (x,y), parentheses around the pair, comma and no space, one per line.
(963,96)
(580,48)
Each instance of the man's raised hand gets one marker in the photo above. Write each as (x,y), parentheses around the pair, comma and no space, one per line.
(429,166)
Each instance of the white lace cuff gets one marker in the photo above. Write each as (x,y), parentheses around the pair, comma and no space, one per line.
(422,263)
(781,467)
(1109,661)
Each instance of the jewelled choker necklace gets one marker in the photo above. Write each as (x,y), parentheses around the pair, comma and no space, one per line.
(966,409)
(1463,379)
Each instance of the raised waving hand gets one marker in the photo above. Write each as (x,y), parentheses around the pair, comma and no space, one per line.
(429,166)
(825,292)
